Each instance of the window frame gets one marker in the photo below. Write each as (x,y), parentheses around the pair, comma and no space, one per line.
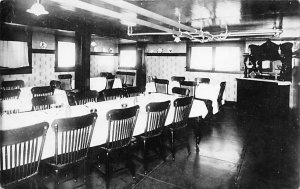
(214,45)
(64,39)
(127,47)
(22,34)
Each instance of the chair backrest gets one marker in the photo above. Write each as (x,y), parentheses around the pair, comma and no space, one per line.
(132,91)
(66,81)
(182,111)
(10,106)
(21,152)
(177,78)
(42,91)
(156,117)
(191,85)
(180,91)
(44,103)
(84,97)
(72,138)
(105,74)
(110,79)
(161,85)
(121,123)
(55,84)
(111,94)
(10,94)
(202,80)
(9,85)
(71,98)
(221,92)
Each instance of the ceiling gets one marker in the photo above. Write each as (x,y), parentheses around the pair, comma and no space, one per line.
(209,15)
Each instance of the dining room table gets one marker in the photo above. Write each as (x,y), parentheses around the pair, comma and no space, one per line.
(202,91)
(13,121)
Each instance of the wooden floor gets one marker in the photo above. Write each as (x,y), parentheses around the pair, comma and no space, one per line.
(236,151)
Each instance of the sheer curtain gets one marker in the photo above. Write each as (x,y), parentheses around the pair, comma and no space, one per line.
(13,54)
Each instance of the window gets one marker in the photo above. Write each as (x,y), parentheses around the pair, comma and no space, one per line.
(201,58)
(65,54)
(215,57)
(15,50)
(228,59)
(127,58)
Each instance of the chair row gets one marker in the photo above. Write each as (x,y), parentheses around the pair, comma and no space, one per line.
(73,137)
(64,82)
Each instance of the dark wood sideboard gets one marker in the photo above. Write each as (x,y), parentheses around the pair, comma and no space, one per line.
(263,97)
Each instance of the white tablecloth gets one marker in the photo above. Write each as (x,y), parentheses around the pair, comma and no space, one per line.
(203,91)
(100,132)
(99,83)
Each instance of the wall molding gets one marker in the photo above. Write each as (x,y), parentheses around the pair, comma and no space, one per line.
(43,51)
(104,54)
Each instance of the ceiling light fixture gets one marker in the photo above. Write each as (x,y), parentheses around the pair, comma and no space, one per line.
(37,9)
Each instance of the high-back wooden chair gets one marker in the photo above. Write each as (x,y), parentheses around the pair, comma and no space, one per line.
(72,141)
(84,97)
(10,94)
(191,85)
(111,94)
(20,153)
(177,78)
(44,103)
(121,124)
(42,91)
(180,91)
(66,81)
(55,84)
(157,113)
(180,120)
(221,92)
(110,79)
(161,85)
(9,85)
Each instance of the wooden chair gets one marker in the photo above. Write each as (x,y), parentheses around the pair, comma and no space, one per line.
(132,91)
(10,94)
(21,152)
(71,98)
(221,92)
(110,79)
(121,124)
(84,97)
(66,81)
(177,78)
(111,94)
(42,91)
(180,91)
(44,103)
(161,85)
(55,84)
(72,141)
(202,80)
(179,124)
(9,85)
(105,74)
(191,85)
(157,113)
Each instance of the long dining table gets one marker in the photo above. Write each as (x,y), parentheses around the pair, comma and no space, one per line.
(202,91)
(13,121)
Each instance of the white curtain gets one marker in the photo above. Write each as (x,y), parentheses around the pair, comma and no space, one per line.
(13,54)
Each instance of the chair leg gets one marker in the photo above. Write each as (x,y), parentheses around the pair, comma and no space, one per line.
(161,146)
(107,173)
(172,145)
(145,156)
(130,164)
(56,180)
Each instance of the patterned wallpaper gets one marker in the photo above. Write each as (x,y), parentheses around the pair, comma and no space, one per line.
(167,66)
(42,72)
(103,64)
